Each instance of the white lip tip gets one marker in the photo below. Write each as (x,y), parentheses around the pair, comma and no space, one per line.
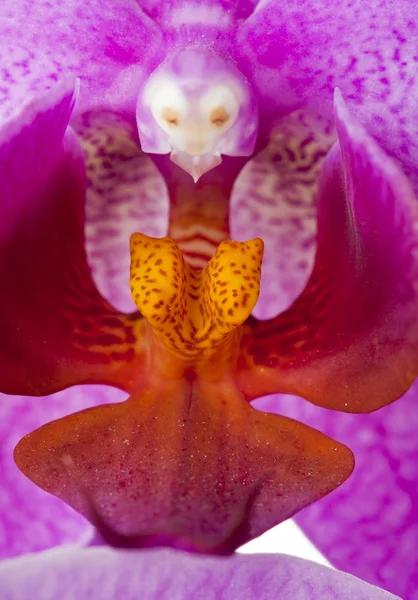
(196,166)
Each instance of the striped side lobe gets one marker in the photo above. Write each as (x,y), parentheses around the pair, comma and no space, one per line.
(56,329)
(350,341)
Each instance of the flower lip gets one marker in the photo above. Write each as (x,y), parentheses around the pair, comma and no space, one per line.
(183,462)
(197,106)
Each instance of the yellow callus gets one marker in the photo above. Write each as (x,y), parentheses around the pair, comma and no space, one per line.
(193,311)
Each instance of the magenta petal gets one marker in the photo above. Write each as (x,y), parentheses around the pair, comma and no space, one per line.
(30,519)
(369,526)
(157,575)
(204,23)
(56,329)
(296,53)
(108,45)
(350,341)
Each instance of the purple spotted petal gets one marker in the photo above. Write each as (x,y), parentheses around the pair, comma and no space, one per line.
(189,20)
(31,519)
(167,575)
(298,52)
(369,526)
(109,45)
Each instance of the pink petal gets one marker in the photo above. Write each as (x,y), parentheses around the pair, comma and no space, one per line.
(108,45)
(43,269)
(30,519)
(164,575)
(369,526)
(198,21)
(296,53)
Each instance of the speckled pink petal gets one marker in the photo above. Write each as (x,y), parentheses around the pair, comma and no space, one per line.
(198,20)
(162,10)
(125,194)
(166,575)
(274,198)
(31,519)
(369,526)
(298,52)
(111,46)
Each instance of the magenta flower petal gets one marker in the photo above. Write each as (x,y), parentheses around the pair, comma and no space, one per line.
(78,337)
(369,526)
(112,68)
(357,314)
(43,267)
(108,45)
(296,53)
(30,519)
(157,575)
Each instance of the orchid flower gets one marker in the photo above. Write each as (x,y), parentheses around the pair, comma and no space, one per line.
(186,461)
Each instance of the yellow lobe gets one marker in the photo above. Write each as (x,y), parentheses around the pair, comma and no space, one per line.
(193,311)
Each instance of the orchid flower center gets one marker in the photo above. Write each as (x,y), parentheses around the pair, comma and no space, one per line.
(196,107)
(193,313)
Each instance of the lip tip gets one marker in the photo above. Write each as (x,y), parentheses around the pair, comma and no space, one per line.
(196,168)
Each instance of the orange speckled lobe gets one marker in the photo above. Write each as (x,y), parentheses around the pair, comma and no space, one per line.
(193,311)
